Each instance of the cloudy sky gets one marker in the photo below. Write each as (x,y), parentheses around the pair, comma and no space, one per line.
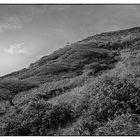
(28,32)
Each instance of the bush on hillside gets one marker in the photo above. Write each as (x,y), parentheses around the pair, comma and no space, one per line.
(39,119)
(124,125)
(10,87)
(60,115)
(25,122)
(114,96)
(85,126)
(110,97)
(4,94)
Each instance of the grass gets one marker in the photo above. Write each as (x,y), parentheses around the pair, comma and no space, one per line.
(10,87)
(124,125)
(87,88)
(86,111)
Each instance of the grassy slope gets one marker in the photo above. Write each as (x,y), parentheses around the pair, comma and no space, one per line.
(74,95)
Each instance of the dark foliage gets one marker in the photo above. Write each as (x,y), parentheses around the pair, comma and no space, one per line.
(40,119)
(9,88)
(124,125)
(114,96)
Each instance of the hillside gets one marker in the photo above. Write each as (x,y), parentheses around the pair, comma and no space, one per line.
(90,87)
(72,58)
(67,62)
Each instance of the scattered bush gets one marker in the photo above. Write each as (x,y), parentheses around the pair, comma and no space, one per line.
(39,119)
(26,122)
(60,116)
(109,98)
(114,96)
(83,127)
(10,87)
(124,125)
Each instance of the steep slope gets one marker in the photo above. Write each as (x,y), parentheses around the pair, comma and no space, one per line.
(90,87)
(71,60)
(67,62)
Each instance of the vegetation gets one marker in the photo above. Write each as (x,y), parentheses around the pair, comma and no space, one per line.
(40,119)
(90,87)
(10,87)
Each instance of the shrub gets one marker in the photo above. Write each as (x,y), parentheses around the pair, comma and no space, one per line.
(59,116)
(114,96)
(4,94)
(10,87)
(124,125)
(39,119)
(109,98)
(84,127)
(27,122)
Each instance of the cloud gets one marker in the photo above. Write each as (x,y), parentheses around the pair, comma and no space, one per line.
(41,9)
(26,14)
(11,23)
(14,22)
(16,48)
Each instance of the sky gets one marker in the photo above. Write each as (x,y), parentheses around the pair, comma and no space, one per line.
(28,32)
